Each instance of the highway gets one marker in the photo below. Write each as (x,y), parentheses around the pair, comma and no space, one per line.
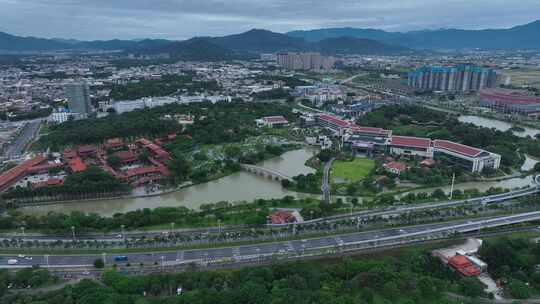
(352,241)
(20,143)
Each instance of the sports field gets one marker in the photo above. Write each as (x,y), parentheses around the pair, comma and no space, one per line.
(352,171)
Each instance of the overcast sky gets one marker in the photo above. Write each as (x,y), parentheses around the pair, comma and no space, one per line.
(181,19)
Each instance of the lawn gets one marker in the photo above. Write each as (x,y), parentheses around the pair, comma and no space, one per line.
(352,171)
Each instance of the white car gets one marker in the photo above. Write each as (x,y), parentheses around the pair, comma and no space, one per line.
(21,256)
(28,258)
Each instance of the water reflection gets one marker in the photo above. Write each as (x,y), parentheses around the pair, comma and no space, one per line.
(497,124)
(241,186)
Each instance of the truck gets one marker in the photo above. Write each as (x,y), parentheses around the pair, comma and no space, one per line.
(120,258)
(12,261)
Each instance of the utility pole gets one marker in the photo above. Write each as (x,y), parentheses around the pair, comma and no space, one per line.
(73,232)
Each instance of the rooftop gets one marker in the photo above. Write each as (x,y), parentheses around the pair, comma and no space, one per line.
(414,142)
(77,165)
(457,148)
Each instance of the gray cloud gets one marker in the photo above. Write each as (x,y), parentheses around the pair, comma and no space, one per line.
(178,19)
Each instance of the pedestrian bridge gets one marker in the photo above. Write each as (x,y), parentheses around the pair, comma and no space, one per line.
(273,174)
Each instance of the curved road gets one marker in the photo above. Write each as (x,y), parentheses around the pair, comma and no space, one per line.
(325,188)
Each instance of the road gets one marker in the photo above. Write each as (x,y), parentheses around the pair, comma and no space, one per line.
(390,211)
(354,241)
(325,188)
(20,143)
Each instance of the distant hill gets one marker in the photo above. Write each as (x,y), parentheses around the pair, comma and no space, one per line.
(195,49)
(518,37)
(16,43)
(351,45)
(261,41)
(243,45)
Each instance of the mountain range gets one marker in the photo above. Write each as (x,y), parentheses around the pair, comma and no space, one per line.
(329,41)
(243,45)
(518,37)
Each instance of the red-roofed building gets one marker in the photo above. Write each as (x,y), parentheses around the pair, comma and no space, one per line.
(411,146)
(45,167)
(429,162)
(470,158)
(281,217)
(13,175)
(333,123)
(77,165)
(456,148)
(87,150)
(48,183)
(143,175)
(113,144)
(126,157)
(464,266)
(370,131)
(69,154)
(395,167)
(142,171)
(158,152)
(143,142)
(273,121)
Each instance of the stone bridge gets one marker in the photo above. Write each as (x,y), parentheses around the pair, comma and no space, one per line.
(273,174)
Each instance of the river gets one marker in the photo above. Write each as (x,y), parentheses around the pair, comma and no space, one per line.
(241,186)
(497,124)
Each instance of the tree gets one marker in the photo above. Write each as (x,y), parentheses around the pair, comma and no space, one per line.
(114,161)
(98,263)
(471,287)
(519,290)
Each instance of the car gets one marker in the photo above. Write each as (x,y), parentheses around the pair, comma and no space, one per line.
(21,256)
(28,258)
(12,261)
(121,258)
(86,272)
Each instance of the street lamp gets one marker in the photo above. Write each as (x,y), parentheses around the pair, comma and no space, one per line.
(172,227)
(219,226)
(122,230)
(73,232)
(162,262)
(22,230)
(104,258)
(47,260)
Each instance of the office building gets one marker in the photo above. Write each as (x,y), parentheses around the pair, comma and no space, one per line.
(78,96)
(458,79)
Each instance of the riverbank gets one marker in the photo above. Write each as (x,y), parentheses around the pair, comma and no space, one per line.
(237,187)
(497,122)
